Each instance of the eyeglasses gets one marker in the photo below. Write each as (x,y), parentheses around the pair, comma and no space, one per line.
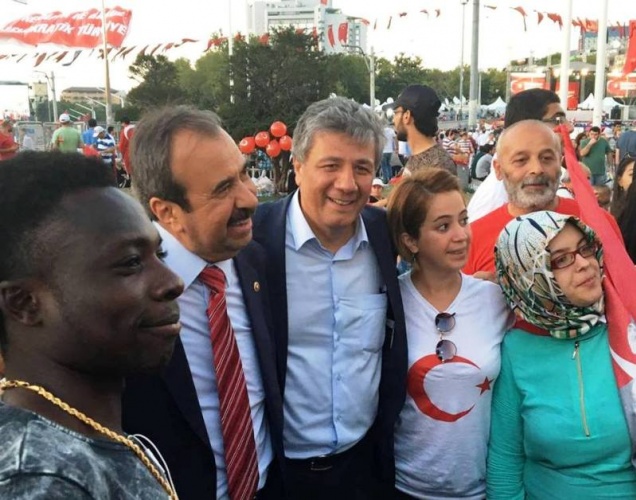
(445,350)
(555,121)
(567,259)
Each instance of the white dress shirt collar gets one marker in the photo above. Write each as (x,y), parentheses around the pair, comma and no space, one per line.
(186,264)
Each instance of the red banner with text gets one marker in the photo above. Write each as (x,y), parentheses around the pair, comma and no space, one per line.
(78,29)
(621,86)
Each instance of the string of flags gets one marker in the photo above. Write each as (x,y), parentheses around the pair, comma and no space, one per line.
(333,33)
(585,24)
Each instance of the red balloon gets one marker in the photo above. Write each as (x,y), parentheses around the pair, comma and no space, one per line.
(247,145)
(261,139)
(273,149)
(278,129)
(285,143)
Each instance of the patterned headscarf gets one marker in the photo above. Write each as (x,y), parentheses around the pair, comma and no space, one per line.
(526,277)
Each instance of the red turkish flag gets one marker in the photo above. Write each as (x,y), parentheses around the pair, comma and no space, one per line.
(630,56)
(343,31)
(620,274)
(330,37)
(556,18)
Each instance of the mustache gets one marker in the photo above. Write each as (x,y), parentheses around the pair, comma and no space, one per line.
(537,179)
(240,215)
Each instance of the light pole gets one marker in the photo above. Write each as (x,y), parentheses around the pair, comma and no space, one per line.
(461,60)
(584,73)
(369,60)
(92,110)
(51,83)
(475,76)
(109,108)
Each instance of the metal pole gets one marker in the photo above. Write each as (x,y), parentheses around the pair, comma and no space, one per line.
(230,47)
(475,87)
(52,81)
(372,79)
(461,62)
(565,56)
(601,56)
(109,106)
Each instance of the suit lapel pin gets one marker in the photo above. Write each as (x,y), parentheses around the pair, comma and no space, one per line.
(257,286)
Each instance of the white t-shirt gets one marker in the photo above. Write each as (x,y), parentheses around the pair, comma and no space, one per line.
(389,136)
(442,434)
(490,195)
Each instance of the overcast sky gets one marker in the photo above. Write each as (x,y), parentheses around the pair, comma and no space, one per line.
(436,40)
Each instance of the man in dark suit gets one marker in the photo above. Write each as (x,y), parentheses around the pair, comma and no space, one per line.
(339,322)
(216,412)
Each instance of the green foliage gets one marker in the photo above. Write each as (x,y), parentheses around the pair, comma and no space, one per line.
(277,78)
(159,82)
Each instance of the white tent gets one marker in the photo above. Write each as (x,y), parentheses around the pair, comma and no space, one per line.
(588,103)
(499,105)
(609,103)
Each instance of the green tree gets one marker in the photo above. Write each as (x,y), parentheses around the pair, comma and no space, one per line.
(271,81)
(204,83)
(393,76)
(348,76)
(159,82)
(493,85)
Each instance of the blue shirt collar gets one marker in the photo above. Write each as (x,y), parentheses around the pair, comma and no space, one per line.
(302,233)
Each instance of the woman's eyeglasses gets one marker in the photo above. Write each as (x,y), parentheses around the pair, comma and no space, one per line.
(567,259)
(445,350)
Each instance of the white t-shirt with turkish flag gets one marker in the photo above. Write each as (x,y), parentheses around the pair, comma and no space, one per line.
(442,434)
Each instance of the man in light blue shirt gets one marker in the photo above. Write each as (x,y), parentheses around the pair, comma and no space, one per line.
(339,323)
(88,137)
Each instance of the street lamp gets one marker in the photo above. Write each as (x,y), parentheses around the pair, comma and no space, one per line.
(109,108)
(51,84)
(461,62)
(369,60)
(584,73)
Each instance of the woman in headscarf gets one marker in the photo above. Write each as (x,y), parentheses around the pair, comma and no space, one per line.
(558,426)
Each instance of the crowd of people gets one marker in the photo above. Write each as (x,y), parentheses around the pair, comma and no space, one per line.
(189,342)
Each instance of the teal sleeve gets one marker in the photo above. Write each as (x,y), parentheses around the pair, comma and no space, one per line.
(506,458)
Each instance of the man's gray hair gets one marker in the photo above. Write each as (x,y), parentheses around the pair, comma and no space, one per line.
(339,115)
(151,151)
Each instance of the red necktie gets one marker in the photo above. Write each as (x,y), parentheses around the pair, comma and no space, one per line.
(236,421)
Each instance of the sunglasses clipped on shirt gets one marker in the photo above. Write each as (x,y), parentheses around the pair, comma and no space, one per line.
(445,350)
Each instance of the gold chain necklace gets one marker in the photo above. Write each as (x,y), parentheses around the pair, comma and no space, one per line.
(136,449)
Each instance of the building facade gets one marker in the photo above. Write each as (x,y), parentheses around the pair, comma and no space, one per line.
(86,94)
(338,32)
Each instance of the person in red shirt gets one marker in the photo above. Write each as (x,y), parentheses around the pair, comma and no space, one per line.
(529,164)
(8,146)
(125,136)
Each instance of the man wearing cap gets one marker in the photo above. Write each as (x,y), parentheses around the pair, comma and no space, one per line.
(376,193)
(67,138)
(415,120)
